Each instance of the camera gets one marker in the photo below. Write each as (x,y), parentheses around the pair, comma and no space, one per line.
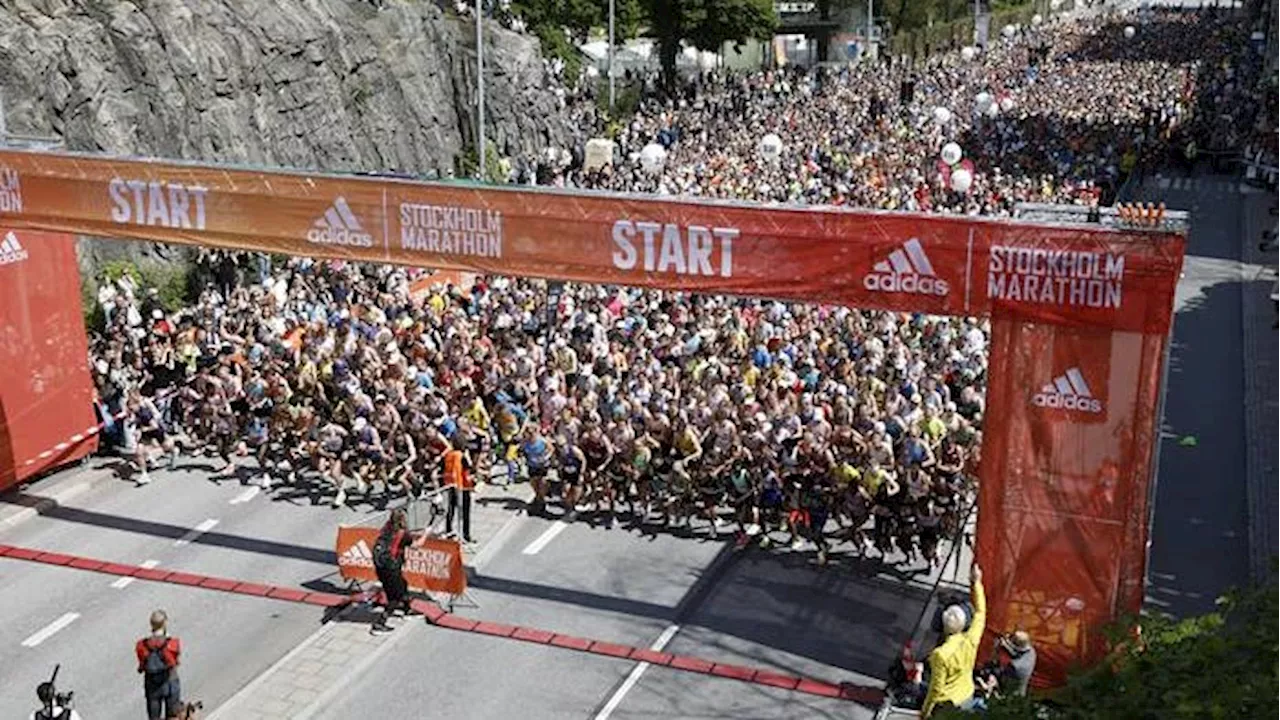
(52,700)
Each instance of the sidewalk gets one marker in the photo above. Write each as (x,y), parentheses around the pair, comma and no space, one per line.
(308,677)
(1258,315)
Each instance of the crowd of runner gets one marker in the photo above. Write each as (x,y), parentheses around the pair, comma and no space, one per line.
(777,422)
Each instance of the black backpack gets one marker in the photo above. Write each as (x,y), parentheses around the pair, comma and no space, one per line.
(382,556)
(155,663)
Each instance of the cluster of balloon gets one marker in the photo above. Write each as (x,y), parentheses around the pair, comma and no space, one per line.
(951,153)
(955,169)
(985,104)
(652,157)
(771,147)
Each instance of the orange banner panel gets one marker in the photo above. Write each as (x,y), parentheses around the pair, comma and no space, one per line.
(46,394)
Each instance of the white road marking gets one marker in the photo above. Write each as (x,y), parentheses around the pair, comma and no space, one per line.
(248,494)
(636,672)
(195,532)
(48,630)
(545,538)
(497,542)
(126,581)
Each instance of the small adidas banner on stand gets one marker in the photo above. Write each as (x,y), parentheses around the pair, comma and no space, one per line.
(430,564)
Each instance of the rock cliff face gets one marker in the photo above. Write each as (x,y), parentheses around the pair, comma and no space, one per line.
(383,85)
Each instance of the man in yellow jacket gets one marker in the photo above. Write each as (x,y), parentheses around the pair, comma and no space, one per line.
(951,663)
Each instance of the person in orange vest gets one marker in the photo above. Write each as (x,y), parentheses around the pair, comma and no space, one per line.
(457,477)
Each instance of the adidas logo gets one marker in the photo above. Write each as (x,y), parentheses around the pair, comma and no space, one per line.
(1068,391)
(907,270)
(357,555)
(339,226)
(11,251)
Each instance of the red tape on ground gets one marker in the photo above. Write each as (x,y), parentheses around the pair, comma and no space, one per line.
(436,616)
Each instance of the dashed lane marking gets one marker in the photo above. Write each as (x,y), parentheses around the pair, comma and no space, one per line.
(545,538)
(48,630)
(126,581)
(195,532)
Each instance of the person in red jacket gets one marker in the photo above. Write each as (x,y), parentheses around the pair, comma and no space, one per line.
(388,562)
(158,657)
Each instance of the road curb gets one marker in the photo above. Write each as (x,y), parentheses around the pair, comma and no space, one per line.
(1260,466)
(60,491)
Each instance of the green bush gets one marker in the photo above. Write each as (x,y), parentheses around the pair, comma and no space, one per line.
(465,164)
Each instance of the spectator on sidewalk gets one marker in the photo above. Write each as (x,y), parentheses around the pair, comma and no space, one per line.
(158,658)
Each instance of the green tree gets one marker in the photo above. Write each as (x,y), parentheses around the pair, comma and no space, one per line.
(1219,665)
(704,24)
(562,25)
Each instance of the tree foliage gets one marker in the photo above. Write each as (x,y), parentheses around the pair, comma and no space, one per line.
(1219,665)
(704,24)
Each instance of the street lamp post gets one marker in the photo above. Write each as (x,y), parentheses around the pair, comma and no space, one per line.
(611,43)
(480,85)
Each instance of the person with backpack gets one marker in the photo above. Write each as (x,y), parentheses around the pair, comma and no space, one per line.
(158,658)
(388,562)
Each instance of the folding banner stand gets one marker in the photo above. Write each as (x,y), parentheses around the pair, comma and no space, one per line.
(1079,311)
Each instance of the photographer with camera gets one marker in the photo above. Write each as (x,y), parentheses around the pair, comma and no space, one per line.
(53,704)
(158,655)
(1010,673)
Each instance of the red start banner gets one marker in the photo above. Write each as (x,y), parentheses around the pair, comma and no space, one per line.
(1080,316)
(1076,275)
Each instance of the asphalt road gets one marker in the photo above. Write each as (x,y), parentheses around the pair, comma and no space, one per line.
(774,610)
(1199,541)
(228,640)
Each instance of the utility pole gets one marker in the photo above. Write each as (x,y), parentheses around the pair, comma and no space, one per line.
(480,85)
(611,43)
(871,14)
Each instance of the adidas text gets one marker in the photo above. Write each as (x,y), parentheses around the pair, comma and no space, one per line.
(889,282)
(1067,402)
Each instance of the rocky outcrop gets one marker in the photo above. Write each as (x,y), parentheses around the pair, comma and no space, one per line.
(382,85)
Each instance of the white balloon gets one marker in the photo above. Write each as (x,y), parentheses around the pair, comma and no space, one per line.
(968,53)
(770,147)
(1007,104)
(951,153)
(961,180)
(1055,4)
(652,158)
(941,115)
(1129,31)
(983,101)
(993,110)
(1037,19)
(1009,31)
